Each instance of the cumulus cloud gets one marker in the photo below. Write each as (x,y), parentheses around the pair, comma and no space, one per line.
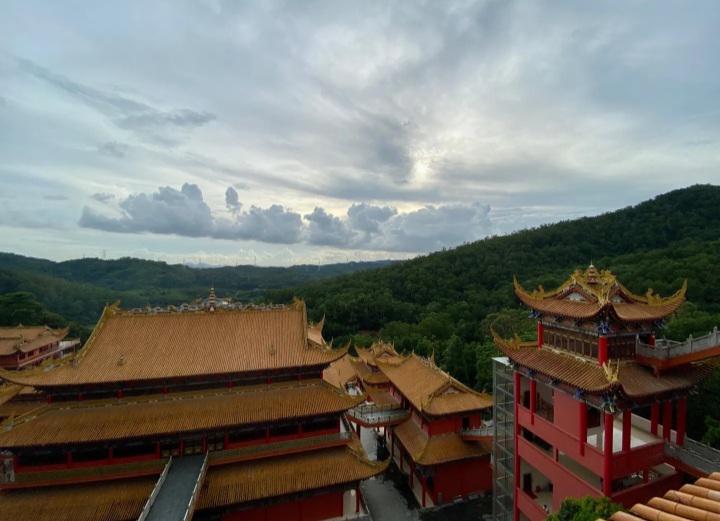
(232,201)
(365,226)
(103,197)
(326,229)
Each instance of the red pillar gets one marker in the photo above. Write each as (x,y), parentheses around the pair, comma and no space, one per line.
(667,419)
(602,350)
(540,330)
(607,453)
(516,470)
(654,417)
(627,429)
(681,417)
(357,499)
(582,426)
(651,340)
(533,400)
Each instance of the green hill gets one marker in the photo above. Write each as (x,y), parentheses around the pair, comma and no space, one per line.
(78,289)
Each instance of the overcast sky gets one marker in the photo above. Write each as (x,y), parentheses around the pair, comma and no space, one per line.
(290,132)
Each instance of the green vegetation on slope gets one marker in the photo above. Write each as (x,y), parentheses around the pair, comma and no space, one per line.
(78,289)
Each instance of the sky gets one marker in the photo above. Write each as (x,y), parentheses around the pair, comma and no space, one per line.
(289,132)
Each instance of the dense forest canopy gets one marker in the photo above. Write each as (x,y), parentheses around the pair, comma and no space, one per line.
(443,303)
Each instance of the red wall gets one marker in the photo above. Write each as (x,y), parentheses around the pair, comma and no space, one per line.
(460,478)
(315,508)
(566,412)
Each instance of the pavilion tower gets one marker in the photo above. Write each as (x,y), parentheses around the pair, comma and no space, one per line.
(596,405)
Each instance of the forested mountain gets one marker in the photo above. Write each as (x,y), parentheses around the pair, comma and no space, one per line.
(78,289)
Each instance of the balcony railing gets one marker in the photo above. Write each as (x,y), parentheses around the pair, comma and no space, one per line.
(478,432)
(667,349)
(373,415)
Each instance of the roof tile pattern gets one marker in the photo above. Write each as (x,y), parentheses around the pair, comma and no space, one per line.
(225,485)
(434,450)
(698,502)
(144,346)
(99,420)
(272,477)
(431,390)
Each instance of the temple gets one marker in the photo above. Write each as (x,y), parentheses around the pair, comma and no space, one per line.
(597,404)
(208,411)
(24,346)
(436,429)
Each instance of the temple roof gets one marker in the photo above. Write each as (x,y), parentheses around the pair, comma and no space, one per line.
(340,372)
(141,416)
(225,485)
(692,502)
(587,294)
(626,377)
(280,476)
(378,351)
(130,345)
(441,448)
(430,389)
(27,338)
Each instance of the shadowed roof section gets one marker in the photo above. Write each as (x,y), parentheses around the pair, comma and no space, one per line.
(698,502)
(129,346)
(225,485)
(24,339)
(430,389)
(441,448)
(589,293)
(628,377)
(154,415)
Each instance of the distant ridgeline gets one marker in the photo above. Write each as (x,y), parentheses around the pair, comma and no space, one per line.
(79,289)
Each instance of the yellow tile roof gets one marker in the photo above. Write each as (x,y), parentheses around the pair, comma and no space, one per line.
(144,346)
(27,338)
(698,502)
(430,389)
(441,448)
(132,417)
(340,372)
(120,500)
(225,485)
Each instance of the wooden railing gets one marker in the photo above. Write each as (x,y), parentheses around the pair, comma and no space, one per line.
(371,414)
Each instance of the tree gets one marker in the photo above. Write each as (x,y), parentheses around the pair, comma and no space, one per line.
(585,509)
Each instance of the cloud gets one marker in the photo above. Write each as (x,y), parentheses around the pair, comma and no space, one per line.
(232,201)
(184,212)
(326,229)
(114,149)
(55,197)
(368,218)
(103,197)
(141,118)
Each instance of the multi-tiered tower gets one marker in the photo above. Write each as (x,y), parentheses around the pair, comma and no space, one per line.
(596,406)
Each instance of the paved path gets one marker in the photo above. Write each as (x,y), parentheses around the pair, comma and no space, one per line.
(176,492)
(385,501)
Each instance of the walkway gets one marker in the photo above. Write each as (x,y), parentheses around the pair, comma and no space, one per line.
(385,502)
(176,492)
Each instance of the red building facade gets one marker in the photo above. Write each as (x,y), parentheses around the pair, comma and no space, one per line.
(208,413)
(598,405)
(432,424)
